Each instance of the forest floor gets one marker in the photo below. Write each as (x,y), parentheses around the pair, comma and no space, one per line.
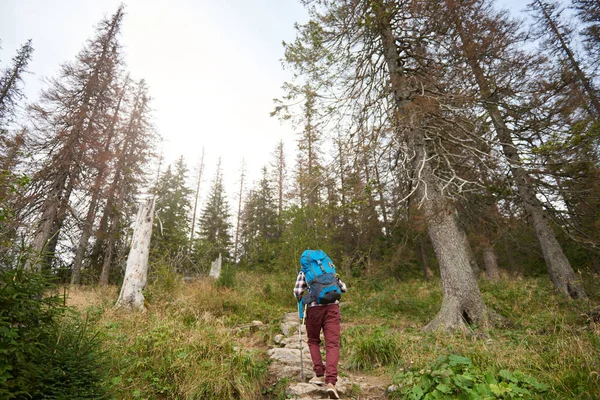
(239,339)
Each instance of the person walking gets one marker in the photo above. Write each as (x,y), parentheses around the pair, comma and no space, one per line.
(325,317)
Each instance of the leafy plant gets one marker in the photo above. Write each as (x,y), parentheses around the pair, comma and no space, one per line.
(456,376)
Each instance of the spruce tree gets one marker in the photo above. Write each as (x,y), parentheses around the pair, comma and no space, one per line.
(260,229)
(173,206)
(70,122)
(214,224)
(134,151)
(379,54)
(10,80)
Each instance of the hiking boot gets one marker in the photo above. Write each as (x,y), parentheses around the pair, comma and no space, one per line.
(331,392)
(317,380)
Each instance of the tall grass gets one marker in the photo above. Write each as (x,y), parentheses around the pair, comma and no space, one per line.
(186,346)
(550,339)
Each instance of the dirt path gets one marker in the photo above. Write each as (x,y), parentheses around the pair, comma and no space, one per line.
(285,363)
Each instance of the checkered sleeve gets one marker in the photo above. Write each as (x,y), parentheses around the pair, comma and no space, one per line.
(300,286)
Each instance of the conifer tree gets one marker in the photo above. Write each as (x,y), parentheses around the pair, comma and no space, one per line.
(588,12)
(12,183)
(103,160)
(196,196)
(170,233)
(239,213)
(260,229)
(279,168)
(70,121)
(381,53)
(473,19)
(558,36)
(214,224)
(10,80)
(134,151)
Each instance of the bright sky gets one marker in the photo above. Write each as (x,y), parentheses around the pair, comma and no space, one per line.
(213,68)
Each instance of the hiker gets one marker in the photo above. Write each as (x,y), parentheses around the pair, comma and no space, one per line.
(322,313)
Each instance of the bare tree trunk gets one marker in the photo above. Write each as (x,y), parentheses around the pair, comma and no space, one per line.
(43,233)
(239,215)
(215,267)
(490,262)
(382,203)
(472,260)
(200,170)
(136,272)
(561,273)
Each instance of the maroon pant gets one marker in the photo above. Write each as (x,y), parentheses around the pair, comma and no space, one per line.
(328,319)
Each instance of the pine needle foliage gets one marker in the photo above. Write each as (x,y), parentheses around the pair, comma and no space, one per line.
(47,351)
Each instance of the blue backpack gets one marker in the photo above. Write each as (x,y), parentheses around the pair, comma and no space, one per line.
(321,278)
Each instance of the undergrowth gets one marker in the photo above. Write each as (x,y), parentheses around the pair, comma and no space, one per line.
(186,345)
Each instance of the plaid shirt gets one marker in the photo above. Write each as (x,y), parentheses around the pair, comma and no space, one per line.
(301,287)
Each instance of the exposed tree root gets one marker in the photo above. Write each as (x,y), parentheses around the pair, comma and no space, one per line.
(454,317)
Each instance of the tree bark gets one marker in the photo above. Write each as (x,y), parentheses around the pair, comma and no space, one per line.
(136,272)
(424,261)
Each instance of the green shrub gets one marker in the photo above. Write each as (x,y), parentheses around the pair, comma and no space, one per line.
(227,277)
(453,376)
(46,350)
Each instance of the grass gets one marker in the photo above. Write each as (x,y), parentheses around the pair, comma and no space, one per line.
(185,347)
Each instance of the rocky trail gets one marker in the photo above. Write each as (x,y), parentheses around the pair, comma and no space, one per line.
(285,363)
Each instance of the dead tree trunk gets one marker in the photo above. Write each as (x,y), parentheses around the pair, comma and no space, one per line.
(215,267)
(136,272)
(239,215)
(200,170)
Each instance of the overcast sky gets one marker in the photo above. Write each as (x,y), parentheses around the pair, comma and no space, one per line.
(213,67)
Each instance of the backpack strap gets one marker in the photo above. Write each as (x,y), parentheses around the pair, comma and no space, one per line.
(321,266)
(310,266)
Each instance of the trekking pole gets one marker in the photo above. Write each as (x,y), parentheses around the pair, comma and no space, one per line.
(300,311)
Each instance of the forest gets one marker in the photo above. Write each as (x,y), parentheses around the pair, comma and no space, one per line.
(447,158)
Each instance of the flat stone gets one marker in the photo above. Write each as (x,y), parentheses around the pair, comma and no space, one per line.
(288,356)
(300,389)
(278,338)
(281,371)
